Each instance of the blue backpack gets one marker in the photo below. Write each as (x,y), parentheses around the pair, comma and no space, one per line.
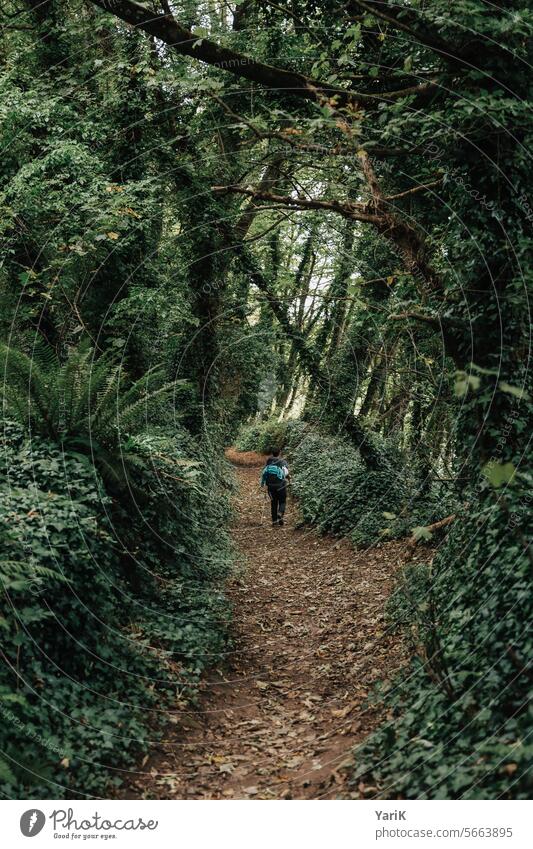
(272,475)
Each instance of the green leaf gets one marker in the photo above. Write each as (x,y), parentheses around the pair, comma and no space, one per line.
(464,382)
(512,390)
(5,772)
(422,533)
(354,32)
(483,370)
(499,474)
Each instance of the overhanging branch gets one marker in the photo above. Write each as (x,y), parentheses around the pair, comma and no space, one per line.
(421,188)
(389,13)
(348,209)
(183,40)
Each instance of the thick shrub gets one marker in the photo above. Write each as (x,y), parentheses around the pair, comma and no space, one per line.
(248,437)
(98,631)
(263,437)
(295,431)
(462,710)
(339,494)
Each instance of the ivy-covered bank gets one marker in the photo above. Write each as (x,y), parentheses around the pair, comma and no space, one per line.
(111,609)
(461,713)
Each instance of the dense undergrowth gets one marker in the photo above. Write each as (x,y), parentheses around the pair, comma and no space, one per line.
(264,436)
(112,603)
(462,711)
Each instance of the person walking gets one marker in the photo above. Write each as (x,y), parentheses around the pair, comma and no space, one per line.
(275,476)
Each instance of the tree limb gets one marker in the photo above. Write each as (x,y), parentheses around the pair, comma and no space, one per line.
(347,209)
(435,320)
(436,526)
(427,319)
(447,51)
(185,41)
(416,189)
(270,177)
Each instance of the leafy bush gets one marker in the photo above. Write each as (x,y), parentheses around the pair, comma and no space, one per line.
(248,437)
(267,435)
(295,431)
(263,437)
(462,710)
(62,587)
(339,494)
(103,619)
(86,403)
(336,491)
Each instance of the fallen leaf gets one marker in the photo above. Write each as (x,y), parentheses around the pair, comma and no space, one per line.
(510,769)
(226,768)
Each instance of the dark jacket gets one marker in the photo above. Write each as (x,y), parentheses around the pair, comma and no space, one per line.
(273,475)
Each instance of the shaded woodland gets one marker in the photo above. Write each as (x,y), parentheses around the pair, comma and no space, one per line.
(301,225)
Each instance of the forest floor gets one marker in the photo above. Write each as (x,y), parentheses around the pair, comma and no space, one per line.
(310,642)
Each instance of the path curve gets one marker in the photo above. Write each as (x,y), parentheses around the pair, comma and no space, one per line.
(311,641)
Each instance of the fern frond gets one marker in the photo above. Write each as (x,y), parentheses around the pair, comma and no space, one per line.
(41,353)
(114,472)
(106,397)
(93,377)
(71,383)
(131,395)
(16,575)
(22,374)
(128,415)
(15,405)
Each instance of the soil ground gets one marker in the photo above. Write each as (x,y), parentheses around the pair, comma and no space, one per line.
(281,720)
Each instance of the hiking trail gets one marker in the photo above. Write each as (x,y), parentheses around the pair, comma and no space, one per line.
(310,641)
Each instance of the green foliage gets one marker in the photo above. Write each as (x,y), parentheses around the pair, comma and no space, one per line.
(462,709)
(56,614)
(263,437)
(89,595)
(413,332)
(248,437)
(87,404)
(340,495)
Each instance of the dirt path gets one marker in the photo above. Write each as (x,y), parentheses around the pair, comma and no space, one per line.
(310,642)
